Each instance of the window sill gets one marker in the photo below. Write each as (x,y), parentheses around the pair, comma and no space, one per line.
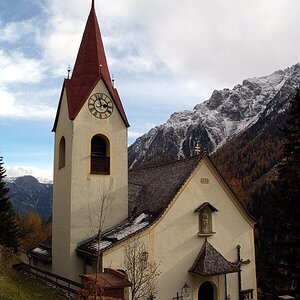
(206,233)
(100,173)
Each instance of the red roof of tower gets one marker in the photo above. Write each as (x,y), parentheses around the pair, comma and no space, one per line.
(90,66)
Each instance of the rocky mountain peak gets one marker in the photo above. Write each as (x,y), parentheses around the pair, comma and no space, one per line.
(217,120)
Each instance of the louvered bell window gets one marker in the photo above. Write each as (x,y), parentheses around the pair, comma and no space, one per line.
(100,162)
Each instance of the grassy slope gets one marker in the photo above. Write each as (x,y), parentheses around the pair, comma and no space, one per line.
(14,286)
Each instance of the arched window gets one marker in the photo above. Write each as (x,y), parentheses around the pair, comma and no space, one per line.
(62,153)
(100,155)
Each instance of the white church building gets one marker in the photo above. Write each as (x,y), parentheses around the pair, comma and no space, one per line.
(193,225)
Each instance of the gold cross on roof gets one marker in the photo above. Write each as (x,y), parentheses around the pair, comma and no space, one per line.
(197,149)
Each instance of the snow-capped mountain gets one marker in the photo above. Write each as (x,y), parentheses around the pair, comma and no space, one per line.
(27,195)
(217,120)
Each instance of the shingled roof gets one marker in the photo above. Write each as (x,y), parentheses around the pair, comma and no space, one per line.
(204,205)
(43,251)
(211,262)
(150,192)
(152,189)
(114,235)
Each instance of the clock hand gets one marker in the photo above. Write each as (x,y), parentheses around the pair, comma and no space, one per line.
(103,103)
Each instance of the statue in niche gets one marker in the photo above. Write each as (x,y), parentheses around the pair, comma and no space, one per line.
(186,292)
(204,222)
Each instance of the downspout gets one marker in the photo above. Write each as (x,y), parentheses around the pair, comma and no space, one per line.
(238,247)
(225,287)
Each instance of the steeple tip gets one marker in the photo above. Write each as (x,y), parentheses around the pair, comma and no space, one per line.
(93,4)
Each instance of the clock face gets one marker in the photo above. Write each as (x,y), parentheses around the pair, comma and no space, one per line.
(100,105)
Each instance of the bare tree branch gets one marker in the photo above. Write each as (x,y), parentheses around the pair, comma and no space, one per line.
(142,273)
(99,212)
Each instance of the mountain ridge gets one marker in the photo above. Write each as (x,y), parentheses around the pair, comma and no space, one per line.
(217,120)
(28,195)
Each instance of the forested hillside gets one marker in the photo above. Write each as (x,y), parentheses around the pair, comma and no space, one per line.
(263,168)
(250,158)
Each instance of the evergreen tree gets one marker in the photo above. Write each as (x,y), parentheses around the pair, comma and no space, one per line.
(8,220)
(284,259)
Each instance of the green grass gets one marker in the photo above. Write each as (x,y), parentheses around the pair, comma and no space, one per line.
(15,286)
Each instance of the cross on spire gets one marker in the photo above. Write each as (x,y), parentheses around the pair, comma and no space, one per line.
(197,149)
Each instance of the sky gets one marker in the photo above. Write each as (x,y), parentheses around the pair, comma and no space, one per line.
(165,56)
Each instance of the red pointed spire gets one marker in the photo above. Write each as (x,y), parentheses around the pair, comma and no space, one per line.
(90,66)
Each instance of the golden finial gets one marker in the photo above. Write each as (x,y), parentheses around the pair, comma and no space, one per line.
(197,149)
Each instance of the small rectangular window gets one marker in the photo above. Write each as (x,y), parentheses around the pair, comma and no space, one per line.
(204,180)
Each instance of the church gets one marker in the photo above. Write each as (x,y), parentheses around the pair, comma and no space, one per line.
(192,223)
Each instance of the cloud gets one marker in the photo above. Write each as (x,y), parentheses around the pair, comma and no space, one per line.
(212,44)
(133,64)
(216,43)
(142,127)
(133,134)
(219,43)
(16,67)
(61,36)
(43,175)
(14,31)
(11,108)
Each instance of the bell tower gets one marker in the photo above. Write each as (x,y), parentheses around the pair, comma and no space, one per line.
(90,153)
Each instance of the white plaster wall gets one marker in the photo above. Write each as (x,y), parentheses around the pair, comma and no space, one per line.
(86,187)
(174,242)
(114,257)
(77,193)
(61,212)
(177,242)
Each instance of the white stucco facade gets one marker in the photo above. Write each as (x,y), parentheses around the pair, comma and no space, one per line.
(77,193)
(173,240)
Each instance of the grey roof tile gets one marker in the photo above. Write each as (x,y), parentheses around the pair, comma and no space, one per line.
(211,262)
